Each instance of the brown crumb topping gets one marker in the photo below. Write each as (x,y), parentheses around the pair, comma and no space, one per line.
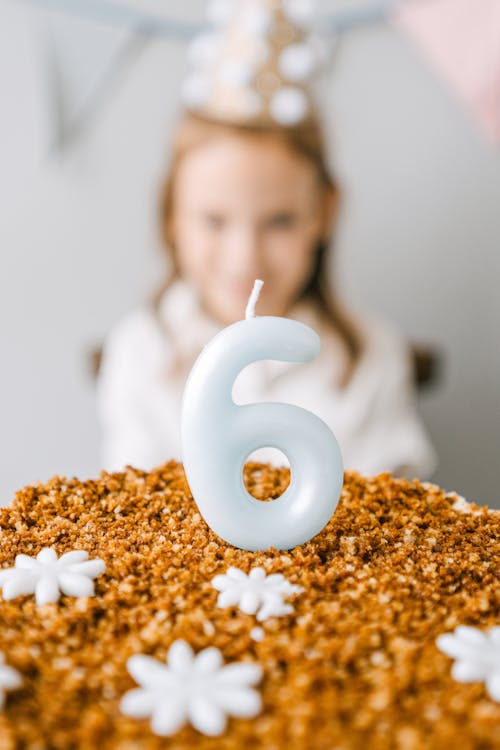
(354,666)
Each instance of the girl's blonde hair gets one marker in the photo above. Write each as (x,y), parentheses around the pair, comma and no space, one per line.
(306,140)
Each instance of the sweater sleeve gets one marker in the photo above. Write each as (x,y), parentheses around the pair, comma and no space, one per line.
(393,437)
(131,353)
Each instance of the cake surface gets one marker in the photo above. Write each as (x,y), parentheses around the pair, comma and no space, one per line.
(355,665)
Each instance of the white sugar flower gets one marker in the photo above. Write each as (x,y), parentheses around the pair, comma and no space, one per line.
(256,593)
(10,679)
(477,655)
(46,576)
(197,689)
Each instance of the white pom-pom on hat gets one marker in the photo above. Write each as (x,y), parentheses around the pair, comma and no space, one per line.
(289,106)
(203,49)
(300,12)
(298,61)
(256,20)
(235,73)
(195,90)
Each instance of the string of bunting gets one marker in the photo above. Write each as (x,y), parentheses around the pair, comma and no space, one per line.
(152,24)
(460,40)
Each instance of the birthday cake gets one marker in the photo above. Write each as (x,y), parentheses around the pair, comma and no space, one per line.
(125,622)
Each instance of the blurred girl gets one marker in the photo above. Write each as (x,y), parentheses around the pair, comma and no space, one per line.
(251,197)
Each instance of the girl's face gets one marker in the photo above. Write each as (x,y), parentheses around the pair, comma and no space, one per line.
(246,208)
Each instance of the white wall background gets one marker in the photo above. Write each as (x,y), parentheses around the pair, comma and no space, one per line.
(419,239)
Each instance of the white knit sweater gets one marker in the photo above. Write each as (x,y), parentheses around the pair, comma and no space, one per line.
(374,417)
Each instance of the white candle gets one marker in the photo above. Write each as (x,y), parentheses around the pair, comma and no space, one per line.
(219,435)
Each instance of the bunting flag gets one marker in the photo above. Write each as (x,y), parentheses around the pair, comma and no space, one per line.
(461,40)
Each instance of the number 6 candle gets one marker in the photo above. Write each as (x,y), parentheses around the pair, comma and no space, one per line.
(219,435)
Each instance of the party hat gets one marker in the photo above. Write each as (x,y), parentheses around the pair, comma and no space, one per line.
(256,64)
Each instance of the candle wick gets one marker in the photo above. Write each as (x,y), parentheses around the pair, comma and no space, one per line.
(252,300)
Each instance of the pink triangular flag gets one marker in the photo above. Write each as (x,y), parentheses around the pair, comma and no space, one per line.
(461,39)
